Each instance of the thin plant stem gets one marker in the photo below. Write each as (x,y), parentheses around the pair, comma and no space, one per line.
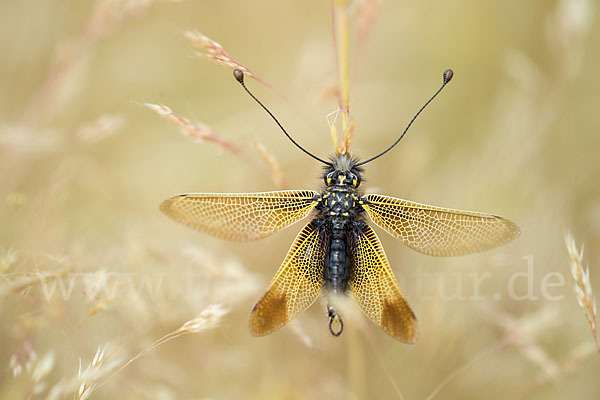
(474,360)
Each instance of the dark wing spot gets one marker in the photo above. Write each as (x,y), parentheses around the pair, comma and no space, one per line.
(398,320)
(268,314)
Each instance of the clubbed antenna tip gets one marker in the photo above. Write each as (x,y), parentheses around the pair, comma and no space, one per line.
(448,74)
(239,75)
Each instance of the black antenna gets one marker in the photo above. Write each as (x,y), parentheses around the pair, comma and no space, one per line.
(448,74)
(239,76)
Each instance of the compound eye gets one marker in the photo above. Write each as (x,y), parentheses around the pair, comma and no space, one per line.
(354,179)
(329,178)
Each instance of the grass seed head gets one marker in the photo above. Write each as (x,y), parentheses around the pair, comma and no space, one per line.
(583,286)
(212,51)
(210,317)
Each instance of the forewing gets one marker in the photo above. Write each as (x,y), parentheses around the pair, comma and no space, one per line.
(438,231)
(296,285)
(240,216)
(375,288)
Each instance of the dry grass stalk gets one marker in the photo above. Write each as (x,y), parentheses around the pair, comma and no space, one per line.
(212,51)
(194,130)
(297,330)
(521,334)
(341,21)
(341,43)
(342,11)
(347,137)
(368,11)
(104,126)
(575,358)
(376,350)
(273,165)
(214,278)
(199,132)
(85,382)
(100,295)
(517,333)
(210,318)
(583,287)
(331,120)
(566,30)
(354,319)
(25,281)
(102,363)
(472,361)
(105,17)
(7,258)
(39,374)
(23,358)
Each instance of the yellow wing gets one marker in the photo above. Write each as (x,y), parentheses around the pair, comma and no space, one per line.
(438,231)
(240,216)
(375,288)
(296,285)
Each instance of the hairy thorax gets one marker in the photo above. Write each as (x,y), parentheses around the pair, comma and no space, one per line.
(340,206)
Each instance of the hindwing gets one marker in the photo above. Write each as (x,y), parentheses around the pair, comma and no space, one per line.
(374,287)
(296,285)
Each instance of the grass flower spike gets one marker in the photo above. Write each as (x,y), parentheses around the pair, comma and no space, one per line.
(583,287)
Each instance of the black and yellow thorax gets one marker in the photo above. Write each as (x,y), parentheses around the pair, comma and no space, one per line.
(340,200)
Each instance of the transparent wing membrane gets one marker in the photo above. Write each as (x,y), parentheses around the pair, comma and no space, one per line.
(296,285)
(300,279)
(240,216)
(375,288)
(438,231)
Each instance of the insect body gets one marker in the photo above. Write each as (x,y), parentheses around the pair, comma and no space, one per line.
(338,214)
(337,251)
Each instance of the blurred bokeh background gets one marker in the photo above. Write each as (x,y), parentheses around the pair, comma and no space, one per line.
(89,266)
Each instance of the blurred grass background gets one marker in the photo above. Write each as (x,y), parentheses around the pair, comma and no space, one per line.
(83,167)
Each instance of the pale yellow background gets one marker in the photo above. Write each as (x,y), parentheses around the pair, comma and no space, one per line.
(516,133)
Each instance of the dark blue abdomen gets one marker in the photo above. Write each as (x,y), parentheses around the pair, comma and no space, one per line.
(338,266)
